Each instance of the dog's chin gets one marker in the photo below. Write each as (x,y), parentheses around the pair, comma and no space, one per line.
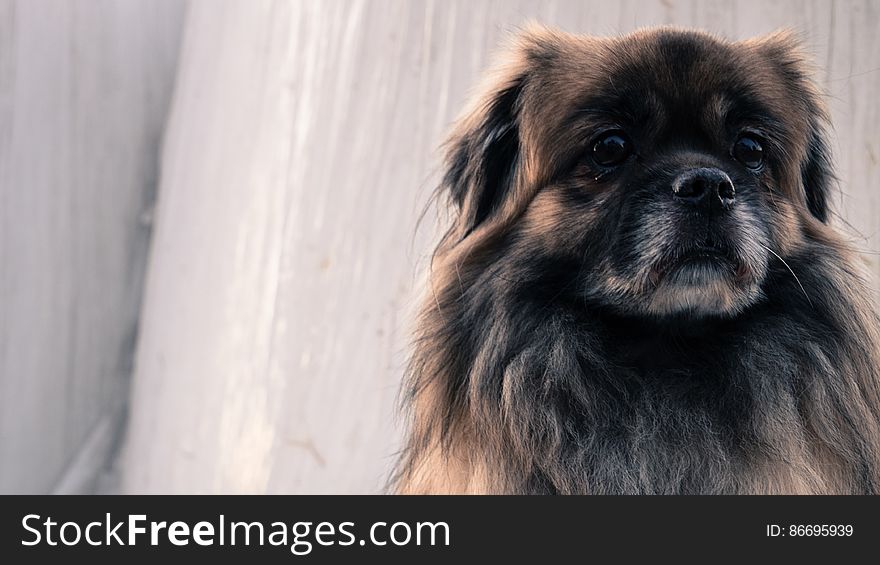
(701,284)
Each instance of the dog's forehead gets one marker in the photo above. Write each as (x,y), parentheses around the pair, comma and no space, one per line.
(684,70)
(657,83)
(657,77)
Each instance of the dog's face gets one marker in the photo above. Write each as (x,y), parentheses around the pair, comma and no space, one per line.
(656,174)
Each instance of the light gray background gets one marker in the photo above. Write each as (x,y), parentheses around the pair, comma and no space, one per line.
(285,261)
(84,91)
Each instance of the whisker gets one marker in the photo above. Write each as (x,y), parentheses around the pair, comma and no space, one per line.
(797,280)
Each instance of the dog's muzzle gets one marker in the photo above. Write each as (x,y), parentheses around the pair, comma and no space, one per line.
(707,188)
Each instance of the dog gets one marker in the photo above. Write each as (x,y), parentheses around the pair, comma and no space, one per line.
(640,291)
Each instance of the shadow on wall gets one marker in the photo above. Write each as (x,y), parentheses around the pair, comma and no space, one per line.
(84,91)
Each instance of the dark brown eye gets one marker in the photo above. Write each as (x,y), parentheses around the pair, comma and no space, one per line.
(611,149)
(749,152)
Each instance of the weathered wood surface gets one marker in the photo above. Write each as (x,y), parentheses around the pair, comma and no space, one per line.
(84,90)
(302,147)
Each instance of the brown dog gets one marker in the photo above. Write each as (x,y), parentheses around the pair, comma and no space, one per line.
(640,292)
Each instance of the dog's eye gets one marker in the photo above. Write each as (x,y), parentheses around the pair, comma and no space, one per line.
(749,152)
(611,149)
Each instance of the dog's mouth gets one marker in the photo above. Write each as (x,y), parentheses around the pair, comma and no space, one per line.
(698,263)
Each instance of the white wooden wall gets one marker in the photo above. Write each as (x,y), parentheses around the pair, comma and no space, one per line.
(301,149)
(84,88)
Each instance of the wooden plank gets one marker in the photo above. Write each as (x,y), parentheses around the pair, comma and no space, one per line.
(287,259)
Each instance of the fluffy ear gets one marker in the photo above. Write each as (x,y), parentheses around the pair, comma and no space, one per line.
(785,52)
(817,175)
(483,154)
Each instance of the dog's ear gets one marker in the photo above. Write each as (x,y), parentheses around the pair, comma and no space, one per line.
(785,52)
(485,154)
(817,174)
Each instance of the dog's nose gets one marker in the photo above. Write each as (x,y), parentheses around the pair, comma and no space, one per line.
(707,187)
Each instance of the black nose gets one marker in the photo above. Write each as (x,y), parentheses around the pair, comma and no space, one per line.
(706,187)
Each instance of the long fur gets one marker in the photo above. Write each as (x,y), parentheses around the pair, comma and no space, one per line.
(538,368)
